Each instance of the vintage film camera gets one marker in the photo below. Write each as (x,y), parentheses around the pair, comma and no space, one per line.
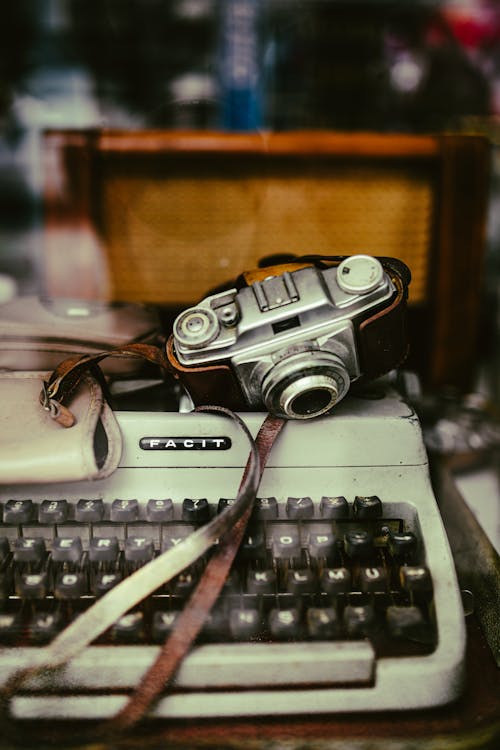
(292,338)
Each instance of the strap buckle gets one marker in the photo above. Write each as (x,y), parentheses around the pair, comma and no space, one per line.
(57,411)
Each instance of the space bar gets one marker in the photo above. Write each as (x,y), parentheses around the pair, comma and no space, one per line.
(238,665)
(276,664)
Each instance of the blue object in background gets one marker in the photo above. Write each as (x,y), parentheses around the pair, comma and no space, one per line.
(239,66)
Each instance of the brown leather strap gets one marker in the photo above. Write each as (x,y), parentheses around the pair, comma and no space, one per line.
(57,391)
(193,616)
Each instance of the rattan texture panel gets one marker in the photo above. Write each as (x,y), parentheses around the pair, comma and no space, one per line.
(170,238)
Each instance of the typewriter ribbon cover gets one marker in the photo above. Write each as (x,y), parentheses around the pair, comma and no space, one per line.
(34,448)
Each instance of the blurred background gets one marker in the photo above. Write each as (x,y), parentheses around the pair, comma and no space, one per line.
(406,66)
(411,66)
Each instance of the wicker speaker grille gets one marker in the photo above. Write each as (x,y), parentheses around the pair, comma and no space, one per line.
(172,237)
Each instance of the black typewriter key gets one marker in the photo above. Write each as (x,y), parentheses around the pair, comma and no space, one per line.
(139,549)
(44,626)
(359,619)
(32,585)
(18,511)
(103,549)
(103,582)
(4,548)
(253,545)
(183,584)
(321,544)
(334,507)
(415,578)
(216,626)
(53,511)
(285,624)
(162,625)
(89,511)
(174,537)
(261,582)
(29,549)
(265,509)
(286,543)
(244,624)
(406,622)
(299,507)
(322,623)
(159,510)
(335,581)
(124,511)
(70,585)
(232,584)
(373,579)
(195,511)
(129,628)
(366,507)
(402,545)
(11,627)
(225,502)
(299,582)
(358,543)
(67,549)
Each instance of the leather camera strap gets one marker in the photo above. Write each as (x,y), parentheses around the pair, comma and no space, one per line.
(192,618)
(58,389)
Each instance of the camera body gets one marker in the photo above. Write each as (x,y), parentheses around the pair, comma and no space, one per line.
(294,337)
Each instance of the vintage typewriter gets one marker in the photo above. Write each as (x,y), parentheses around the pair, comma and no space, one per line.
(343,595)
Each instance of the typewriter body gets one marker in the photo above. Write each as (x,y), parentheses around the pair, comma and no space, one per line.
(343,597)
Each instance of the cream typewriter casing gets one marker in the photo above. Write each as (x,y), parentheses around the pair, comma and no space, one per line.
(367,447)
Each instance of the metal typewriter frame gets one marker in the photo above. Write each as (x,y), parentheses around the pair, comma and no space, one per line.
(384,431)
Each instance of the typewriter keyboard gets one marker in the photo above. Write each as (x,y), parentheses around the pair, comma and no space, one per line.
(342,589)
(340,570)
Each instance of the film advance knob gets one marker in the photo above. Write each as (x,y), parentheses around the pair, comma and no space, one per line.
(196,327)
(359,274)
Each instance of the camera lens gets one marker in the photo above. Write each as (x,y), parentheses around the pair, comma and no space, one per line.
(314,401)
(305,385)
(308,396)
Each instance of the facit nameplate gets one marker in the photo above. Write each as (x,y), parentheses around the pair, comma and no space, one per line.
(185,443)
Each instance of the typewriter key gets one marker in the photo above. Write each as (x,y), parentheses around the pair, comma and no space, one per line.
(159,511)
(334,507)
(18,511)
(89,511)
(53,511)
(367,507)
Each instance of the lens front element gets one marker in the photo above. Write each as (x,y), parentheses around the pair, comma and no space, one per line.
(306,385)
(309,397)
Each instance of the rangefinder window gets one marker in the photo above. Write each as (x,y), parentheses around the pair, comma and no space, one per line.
(286,325)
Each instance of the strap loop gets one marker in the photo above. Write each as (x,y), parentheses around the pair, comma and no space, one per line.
(63,381)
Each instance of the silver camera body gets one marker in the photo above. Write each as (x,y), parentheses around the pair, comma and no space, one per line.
(291,338)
